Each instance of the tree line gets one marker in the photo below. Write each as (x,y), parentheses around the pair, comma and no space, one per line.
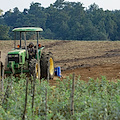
(64,20)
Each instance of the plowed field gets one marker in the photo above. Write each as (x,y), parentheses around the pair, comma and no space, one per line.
(91,59)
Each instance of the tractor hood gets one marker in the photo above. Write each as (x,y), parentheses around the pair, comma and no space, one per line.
(20,52)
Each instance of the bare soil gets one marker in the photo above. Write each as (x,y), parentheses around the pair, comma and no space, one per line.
(87,59)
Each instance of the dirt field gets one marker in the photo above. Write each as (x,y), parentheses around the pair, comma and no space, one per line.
(87,59)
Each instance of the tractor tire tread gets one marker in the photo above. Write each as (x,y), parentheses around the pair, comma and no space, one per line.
(44,65)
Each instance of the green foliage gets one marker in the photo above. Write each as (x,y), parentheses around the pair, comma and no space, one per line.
(4,30)
(67,21)
(1,12)
(97,99)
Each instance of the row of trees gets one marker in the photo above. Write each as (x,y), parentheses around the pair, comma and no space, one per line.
(66,21)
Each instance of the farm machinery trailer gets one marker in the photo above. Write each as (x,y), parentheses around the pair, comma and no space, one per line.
(29,58)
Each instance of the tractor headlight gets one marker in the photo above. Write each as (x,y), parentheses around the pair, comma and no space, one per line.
(12,56)
(9,56)
(16,55)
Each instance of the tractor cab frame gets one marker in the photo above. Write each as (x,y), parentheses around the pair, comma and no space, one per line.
(17,58)
(20,60)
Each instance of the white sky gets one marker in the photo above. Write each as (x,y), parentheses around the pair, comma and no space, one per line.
(5,5)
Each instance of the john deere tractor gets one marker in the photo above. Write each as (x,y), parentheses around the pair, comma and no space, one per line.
(29,58)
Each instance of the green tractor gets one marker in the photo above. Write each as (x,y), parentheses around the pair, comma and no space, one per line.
(29,58)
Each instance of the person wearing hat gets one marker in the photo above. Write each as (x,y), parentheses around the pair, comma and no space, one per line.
(31,50)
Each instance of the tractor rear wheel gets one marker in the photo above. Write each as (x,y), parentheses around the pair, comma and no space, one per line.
(47,66)
(34,68)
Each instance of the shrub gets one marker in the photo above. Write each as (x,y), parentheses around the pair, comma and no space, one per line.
(96,99)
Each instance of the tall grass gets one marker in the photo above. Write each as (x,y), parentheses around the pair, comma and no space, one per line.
(94,100)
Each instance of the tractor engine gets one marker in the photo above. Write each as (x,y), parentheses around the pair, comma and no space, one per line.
(15,60)
(13,57)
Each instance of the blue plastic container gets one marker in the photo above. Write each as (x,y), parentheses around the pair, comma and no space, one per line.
(58,71)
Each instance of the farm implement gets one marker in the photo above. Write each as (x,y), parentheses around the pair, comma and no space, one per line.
(29,58)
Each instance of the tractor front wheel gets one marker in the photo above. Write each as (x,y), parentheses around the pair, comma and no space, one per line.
(34,68)
(47,66)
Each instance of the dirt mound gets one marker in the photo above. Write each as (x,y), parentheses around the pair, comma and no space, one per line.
(110,71)
(107,55)
(60,42)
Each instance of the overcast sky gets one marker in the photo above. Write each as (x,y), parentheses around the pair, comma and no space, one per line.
(5,5)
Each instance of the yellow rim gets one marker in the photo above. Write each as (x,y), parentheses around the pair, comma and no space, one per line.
(51,66)
(36,70)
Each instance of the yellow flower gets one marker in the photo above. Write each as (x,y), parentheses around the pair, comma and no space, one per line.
(50,111)
(53,87)
(8,112)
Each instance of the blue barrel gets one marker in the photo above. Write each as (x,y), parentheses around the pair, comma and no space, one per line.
(58,71)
